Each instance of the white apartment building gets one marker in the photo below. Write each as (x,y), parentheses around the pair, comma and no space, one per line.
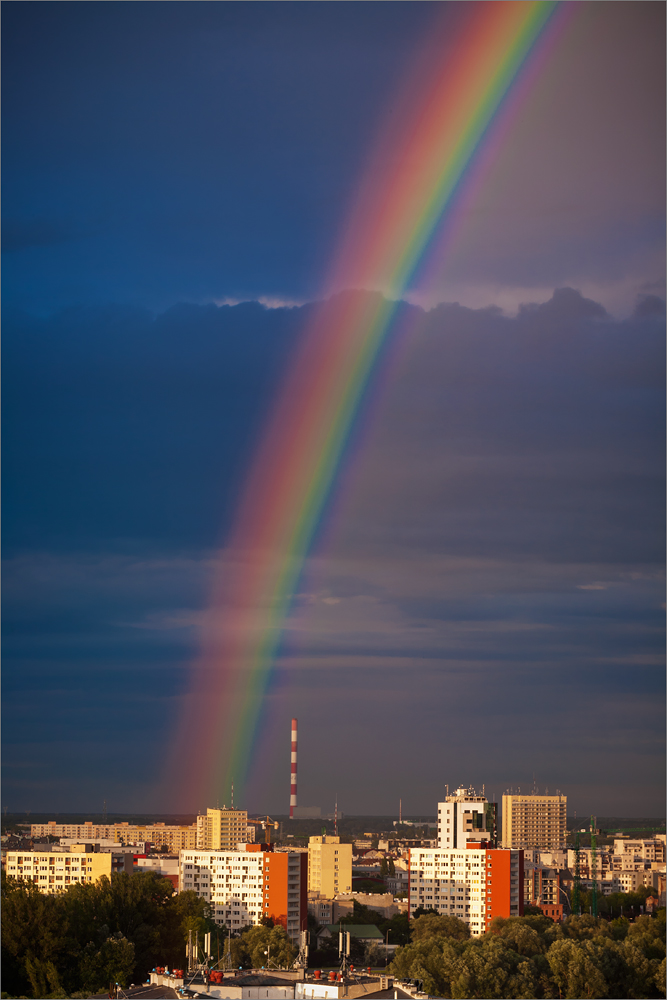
(462,817)
(241,887)
(644,850)
(474,883)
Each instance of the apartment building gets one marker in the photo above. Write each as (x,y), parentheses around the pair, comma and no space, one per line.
(652,850)
(603,861)
(157,834)
(534,821)
(475,883)
(465,816)
(54,871)
(543,885)
(243,886)
(222,829)
(329,866)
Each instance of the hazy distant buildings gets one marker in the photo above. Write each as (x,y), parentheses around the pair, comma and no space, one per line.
(534,821)
(157,834)
(329,866)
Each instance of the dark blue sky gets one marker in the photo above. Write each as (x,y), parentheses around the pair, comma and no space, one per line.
(492,575)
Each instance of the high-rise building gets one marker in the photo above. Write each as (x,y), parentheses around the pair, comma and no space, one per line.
(329,866)
(222,829)
(475,882)
(466,816)
(243,886)
(534,821)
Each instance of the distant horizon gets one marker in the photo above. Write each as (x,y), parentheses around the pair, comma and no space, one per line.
(417,818)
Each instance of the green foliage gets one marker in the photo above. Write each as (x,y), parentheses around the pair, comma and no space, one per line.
(111,962)
(268,946)
(80,939)
(532,957)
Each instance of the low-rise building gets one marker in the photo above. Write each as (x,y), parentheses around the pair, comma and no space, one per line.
(475,884)
(363,933)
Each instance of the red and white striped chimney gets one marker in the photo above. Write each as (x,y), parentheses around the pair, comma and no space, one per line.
(292,798)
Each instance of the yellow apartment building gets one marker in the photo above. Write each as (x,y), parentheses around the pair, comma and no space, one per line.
(56,871)
(534,821)
(222,829)
(329,866)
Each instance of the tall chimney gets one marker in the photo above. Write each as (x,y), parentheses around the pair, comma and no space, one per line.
(292,798)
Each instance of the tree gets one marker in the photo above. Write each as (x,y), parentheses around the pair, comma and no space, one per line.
(574,971)
(112,962)
(434,925)
(269,944)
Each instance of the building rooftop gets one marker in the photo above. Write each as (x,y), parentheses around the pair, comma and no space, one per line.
(356,930)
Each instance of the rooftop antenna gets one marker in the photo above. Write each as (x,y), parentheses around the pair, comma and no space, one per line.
(336,817)
(104,813)
(400,812)
(232,793)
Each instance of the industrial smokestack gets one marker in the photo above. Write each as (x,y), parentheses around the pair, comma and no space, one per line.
(292,798)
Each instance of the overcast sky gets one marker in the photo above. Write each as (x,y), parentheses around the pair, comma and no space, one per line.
(485,602)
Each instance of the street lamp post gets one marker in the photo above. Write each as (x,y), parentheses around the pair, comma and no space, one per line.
(386,949)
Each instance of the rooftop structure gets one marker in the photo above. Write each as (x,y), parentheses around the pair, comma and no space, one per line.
(465,816)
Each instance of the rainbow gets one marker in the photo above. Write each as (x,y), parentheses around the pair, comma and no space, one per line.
(412,180)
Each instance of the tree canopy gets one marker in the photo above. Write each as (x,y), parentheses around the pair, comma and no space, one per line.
(532,957)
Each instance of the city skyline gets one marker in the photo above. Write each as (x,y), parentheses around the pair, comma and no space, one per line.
(483,598)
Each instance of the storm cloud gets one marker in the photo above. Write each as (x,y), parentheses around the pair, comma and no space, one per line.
(491,561)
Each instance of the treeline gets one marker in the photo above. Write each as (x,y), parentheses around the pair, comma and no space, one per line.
(74,943)
(532,957)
